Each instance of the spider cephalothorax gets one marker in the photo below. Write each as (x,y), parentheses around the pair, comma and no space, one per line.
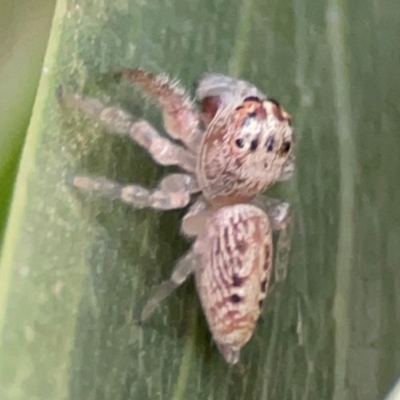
(243,150)
(237,145)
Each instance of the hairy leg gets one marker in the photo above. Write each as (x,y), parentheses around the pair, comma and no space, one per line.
(191,226)
(182,271)
(120,122)
(181,120)
(288,169)
(173,192)
(194,221)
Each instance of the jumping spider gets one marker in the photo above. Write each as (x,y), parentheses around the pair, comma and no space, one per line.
(234,148)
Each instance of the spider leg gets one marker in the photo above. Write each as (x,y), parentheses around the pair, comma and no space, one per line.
(282,252)
(194,221)
(162,150)
(288,169)
(279,215)
(173,192)
(182,271)
(181,120)
(191,226)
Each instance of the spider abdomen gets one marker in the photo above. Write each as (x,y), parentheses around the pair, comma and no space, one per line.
(232,278)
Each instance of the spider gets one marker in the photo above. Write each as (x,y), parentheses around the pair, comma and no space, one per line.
(237,145)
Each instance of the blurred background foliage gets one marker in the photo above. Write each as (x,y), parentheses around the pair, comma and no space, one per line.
(24,32)
(75,269)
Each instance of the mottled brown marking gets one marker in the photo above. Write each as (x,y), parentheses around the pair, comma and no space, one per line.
(216,134)
(218,305)
(239,162)
(241,247)
(237,281)
(236,322)
(224,280)
(232,314)
(226,238)
(251,107)
(209,107)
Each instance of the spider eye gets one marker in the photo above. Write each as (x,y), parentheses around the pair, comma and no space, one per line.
(239,143)
(270,144)
(285,147)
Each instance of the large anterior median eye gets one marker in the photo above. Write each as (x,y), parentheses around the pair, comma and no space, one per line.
(245,144)
(239,143)
(270,144)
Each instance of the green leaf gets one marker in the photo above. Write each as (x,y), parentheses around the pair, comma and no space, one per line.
(24,31)
(75,269)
